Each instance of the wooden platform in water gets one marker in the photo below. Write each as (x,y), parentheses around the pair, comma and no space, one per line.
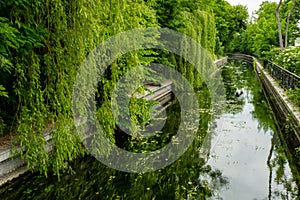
(12,166)
(160,93)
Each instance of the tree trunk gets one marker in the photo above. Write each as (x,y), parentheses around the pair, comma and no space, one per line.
(287,25)
(279,25)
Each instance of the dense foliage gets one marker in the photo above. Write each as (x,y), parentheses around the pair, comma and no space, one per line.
(43,43)
(288,58)
(261,34)
(190,177)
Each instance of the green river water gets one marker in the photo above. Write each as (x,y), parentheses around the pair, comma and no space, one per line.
(245,159)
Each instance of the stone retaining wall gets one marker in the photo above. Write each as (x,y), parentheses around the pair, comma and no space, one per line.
(286,113)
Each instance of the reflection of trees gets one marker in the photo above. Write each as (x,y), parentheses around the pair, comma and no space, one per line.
(278,162)
(262,111)
(239,74)
(232,80)
(277,159)
(187,178)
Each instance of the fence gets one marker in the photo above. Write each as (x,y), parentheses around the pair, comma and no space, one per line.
(285,78)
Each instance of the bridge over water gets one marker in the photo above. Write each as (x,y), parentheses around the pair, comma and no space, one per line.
(247,158)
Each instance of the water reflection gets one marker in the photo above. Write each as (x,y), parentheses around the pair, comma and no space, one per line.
(245,147)
(246,159)
(187,178)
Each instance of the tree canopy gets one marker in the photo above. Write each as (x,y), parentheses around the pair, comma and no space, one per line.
(44,42)
(261,34)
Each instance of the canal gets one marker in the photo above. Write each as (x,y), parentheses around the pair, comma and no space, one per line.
(245,160)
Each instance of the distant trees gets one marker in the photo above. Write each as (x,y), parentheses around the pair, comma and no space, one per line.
(282,46)
(230,22)
(261,32)
(264,31)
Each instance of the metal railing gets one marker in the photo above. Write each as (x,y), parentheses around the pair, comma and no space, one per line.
(285,78)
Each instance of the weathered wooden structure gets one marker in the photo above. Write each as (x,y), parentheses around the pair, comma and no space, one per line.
(12,166)
(221,62)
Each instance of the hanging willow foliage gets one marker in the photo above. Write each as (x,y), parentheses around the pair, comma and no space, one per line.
(45,44)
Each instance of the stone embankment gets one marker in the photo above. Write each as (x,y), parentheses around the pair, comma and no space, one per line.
(286,113)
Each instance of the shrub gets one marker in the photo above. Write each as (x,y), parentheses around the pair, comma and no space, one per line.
(289,59)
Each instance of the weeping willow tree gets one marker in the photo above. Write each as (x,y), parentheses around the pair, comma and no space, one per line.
(194,19)
(51,39)
(197,23)
(43,44)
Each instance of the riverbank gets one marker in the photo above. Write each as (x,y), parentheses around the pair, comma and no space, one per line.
(286,113)
(246,158)
(245,144)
